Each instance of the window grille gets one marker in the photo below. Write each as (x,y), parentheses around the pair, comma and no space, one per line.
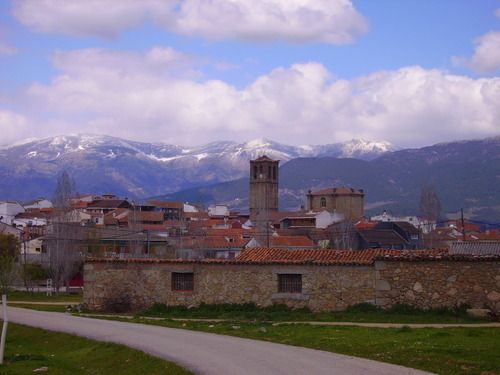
(290,283)
(182,281)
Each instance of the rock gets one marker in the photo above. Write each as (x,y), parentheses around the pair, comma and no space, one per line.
(452,279)
(236,327)
(383,285)
(41,369)
(410,295)
(417,287)
(211,326)
(263,329)
(478,313)
(451,292)
(493,296)
(435,295)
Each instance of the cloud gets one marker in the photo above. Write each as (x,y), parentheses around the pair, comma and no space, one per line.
(141,99)
(326,21)
(486,58)
(84,17)
(13,126)
(497,13)
(329,21)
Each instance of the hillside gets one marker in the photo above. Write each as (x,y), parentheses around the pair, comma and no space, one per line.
(136,169)
(466,174)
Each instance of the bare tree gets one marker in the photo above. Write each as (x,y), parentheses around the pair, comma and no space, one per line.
(430,205)
(9,249)
(64,234)
(343,235)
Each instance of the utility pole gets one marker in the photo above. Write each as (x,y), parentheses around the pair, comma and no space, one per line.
(463,224)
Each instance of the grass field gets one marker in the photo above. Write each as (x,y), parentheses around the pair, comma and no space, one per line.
(447,351)
(41,297)
(51,308)
(359,313)
(29,348)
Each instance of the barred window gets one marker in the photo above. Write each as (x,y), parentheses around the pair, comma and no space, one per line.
(289,283)
(182,281)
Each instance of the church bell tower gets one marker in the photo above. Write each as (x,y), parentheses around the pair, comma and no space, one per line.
(263,189)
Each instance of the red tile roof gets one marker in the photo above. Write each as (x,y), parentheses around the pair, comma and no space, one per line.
(166,204)
(318,257)
(264,256)
(292,241)
(264,158)
(338,191)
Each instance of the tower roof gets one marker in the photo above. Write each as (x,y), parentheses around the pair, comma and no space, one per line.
(264,158)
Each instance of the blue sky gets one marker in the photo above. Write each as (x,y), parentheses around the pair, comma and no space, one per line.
(299,71)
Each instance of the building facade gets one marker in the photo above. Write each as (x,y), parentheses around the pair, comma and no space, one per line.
(322,280)
(346,201)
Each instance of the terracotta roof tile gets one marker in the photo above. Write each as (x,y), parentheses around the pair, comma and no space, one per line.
(294,241)
(263,256)
(338,191)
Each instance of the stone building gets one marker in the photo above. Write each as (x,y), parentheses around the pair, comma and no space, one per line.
(344,200)
(264,177)
(322,280)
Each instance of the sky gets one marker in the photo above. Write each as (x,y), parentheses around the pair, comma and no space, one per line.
(189,72)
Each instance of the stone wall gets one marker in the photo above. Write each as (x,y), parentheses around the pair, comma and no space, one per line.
(134,285)
(432,284)
(137,285)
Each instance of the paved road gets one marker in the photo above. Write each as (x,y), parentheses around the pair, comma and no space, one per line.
(207,353)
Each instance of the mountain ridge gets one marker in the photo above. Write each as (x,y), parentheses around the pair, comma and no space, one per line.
(466,174)
(138,169)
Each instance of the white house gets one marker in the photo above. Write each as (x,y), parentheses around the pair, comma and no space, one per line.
(38,204)
(189,208)
(425,226)
(29,222)
(326,218)
(9,229)
(9,210)
(218,210)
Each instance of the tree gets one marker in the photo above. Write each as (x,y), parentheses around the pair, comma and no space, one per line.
(343,235)
(65,190)
(9,249)
(64,234)
(430,205)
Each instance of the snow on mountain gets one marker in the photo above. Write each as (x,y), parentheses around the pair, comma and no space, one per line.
(101,162)
(55,147)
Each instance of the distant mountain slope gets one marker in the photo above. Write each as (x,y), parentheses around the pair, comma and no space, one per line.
(136,169)
(466,174)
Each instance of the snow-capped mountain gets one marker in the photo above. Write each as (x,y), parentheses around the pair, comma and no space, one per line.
(102,163)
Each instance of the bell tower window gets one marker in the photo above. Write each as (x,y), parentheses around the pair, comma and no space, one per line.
(323,202)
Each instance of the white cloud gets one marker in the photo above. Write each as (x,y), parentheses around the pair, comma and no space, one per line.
(300,104)
(497,12)
(13,126)
(329,21)
(84,17)
(486,58)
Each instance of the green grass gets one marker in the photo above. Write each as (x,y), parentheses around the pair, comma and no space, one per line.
(51,308)
(359,313)
(41,297)
(447,351)
(30,348)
